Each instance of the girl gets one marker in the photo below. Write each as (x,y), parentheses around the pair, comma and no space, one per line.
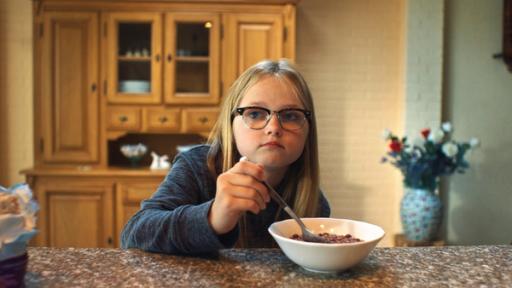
(201,205)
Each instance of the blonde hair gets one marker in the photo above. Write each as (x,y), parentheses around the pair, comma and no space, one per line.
(301,188)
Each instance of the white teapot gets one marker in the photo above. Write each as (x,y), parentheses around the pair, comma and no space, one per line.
(159,162)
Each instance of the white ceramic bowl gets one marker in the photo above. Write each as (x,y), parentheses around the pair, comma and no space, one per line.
(134,150)
(326,257)
(134,86)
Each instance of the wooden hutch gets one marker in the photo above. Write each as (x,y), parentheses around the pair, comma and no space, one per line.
(126,71)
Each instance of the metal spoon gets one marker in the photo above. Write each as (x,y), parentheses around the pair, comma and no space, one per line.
(307,235)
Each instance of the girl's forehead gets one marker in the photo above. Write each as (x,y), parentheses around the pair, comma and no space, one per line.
(272,90)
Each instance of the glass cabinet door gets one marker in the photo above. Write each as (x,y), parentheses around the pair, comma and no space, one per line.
(134,61)
(192,58)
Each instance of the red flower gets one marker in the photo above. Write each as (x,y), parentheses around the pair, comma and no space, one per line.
(395,146)
(425,132)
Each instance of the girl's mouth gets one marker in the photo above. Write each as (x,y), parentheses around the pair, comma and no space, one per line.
(272,144)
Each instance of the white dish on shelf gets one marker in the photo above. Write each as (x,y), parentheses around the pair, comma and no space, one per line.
(134,86)
(133,150)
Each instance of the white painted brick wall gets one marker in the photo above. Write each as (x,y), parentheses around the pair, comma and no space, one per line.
(371,65)
(423,65)
(350,52)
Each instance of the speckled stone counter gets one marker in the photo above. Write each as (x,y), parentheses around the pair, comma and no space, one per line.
(452,266)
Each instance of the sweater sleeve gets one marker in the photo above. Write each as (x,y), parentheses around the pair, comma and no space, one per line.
(175,219)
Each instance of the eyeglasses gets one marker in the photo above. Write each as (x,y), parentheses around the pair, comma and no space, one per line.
(258,117)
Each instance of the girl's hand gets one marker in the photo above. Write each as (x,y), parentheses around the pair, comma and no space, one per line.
(238,190)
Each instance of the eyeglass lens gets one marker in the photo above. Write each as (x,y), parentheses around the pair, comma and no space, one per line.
(258,118)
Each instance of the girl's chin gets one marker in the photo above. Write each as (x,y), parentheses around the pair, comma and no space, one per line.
(273,162)
(272,158)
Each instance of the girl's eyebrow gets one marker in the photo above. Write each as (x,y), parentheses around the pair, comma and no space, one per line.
(261,104)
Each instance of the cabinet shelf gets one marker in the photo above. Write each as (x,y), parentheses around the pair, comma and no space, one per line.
(191,94)
(134,59)
(192,59)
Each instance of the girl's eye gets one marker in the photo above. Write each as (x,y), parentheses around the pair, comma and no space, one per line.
(290,116)
(256,114)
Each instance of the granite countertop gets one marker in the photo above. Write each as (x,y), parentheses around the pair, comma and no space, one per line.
(453,266)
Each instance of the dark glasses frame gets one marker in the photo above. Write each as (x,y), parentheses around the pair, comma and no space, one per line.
(240,111)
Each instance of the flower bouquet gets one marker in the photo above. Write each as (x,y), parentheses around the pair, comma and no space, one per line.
(422,163)
(17,227)
(430,156)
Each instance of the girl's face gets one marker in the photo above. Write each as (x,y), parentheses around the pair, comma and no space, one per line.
(273,147)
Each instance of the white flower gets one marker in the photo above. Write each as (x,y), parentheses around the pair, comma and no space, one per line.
(447,127)
(386,134)
(436,136)
(409,149)
(450,149)
(474,143)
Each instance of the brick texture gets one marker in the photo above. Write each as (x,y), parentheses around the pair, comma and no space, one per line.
(351,55)
(371,65)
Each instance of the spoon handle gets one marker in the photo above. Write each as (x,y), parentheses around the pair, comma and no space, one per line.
(274,195)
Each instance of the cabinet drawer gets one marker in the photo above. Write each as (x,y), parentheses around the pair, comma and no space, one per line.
(162,119)
(124,118)
(199,119)
(135,193)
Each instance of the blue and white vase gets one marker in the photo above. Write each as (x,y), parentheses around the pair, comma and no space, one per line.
(421,214)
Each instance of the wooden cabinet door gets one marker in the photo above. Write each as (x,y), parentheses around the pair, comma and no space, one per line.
(249,39)
(192,58)
(75,214)
(129,195)
(134,64)
(69,93)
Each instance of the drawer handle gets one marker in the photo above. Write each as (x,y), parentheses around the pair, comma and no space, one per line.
(169,57)
(123,118)
(162,119)
(203,120)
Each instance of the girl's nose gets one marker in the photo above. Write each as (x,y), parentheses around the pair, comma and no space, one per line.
(273,125)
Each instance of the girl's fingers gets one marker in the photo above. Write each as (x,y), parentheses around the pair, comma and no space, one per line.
(246,181)
(248,168)
(244,204)
(248,193)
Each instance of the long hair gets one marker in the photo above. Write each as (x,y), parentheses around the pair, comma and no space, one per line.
(301,187)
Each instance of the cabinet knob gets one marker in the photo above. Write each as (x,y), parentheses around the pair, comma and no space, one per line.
(109,240)
(158,58)
(93,87)
(162,119)
(203,120)
(123,118)
(169,57)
